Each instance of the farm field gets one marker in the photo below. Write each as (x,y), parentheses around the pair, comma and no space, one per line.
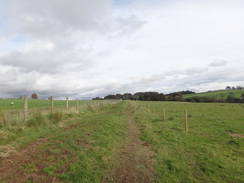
(129,141)
(12,111)
(216,94)
(18,104)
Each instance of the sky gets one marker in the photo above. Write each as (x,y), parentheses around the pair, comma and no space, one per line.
(90,48)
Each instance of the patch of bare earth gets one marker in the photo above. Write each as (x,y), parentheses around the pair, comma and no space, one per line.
(237,135)
(17,167)
(136,159)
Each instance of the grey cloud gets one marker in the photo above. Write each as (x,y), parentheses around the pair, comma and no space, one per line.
(126,26)
(218,63)
(16,83)
(195,70)
(130,24)
(49,19)
(209,78)
(213,79)
(187,72)
(48,61)
(82,14)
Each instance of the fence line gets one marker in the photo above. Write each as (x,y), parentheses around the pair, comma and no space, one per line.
(15,111)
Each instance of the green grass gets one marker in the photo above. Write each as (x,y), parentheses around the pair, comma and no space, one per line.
(100,136)
(216,94)
(208,153)
(34,104)
(80,149)
(13,115)
(84,146)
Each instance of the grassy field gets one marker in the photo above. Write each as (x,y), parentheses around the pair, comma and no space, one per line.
(213,149)
(86,146)
(34,104)
(14,114)
(216,94)
(81,147)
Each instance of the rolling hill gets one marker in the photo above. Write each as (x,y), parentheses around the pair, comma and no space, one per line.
(216,94)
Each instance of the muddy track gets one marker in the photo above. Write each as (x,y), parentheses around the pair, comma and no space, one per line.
(135,161)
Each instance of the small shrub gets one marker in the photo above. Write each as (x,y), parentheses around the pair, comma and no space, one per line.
(56,117)
(91,108)
(36,120)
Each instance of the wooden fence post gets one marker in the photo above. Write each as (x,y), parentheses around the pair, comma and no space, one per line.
(25,108)
(77,104)
(67,103)
(51,102)
(186,122)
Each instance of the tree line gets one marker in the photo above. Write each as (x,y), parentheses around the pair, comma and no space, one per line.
(234,88)
(147,96)
(175,96)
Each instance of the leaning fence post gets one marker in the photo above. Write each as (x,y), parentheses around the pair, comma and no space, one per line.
(25,108)
(51,102)
(77,104)
(67,103)
(186,122)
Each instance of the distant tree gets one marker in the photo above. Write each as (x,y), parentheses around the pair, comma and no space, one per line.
(230,98)
(97,98)
(187,92)
(139,96)
(119,96)
(238,88)
(175,96)
(128,96)
(110,97)
(34,96)
(161,97)
(228,88)
(242,98)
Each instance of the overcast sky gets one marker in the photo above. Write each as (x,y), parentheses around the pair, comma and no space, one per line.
(89,48)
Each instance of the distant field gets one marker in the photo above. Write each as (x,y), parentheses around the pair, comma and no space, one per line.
(18,104)
(217,94)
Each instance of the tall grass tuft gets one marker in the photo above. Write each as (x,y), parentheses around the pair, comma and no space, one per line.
(36,120)
(3,120)
(56,117)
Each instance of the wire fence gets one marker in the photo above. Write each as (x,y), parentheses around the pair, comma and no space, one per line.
(15,111)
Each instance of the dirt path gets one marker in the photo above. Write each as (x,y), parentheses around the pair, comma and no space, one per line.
(136,162)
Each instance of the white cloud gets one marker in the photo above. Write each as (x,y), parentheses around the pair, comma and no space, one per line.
(88,48)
